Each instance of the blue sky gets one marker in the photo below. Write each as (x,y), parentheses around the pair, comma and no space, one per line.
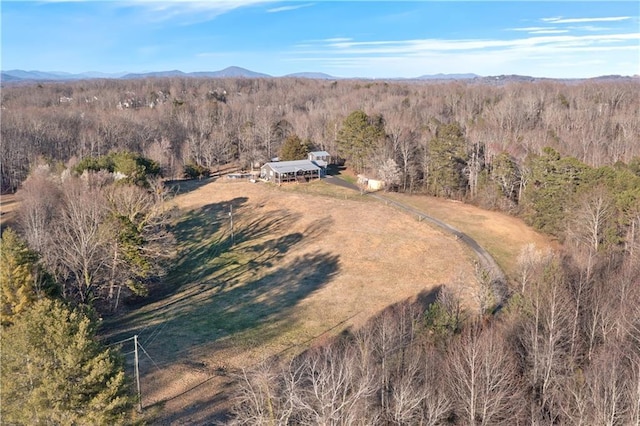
(372,39)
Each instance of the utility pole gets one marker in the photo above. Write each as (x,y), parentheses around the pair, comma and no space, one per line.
(135,342)
(233,241)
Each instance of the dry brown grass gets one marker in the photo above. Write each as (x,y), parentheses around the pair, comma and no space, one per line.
(502,235)
(306,265)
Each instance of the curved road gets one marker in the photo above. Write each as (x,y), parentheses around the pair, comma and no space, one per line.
(487,262)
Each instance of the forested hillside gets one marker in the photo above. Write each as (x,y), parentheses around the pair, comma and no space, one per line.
(564,348)
(213,122)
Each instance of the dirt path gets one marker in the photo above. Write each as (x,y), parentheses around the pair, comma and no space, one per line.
(487,262)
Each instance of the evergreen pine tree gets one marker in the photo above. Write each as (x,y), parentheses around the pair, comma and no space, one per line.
(54,371)
(448,160)
(294,148)
(359,138)
(22,280)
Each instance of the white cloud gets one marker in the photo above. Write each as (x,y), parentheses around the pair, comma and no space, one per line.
(534,55)
(189,11)
(590,28)
(308,45)
(200,4)
(540,30)
(561,20)
(548,31)
(425,45)
(528,29)
(288,8)
(495,62)
(336,39)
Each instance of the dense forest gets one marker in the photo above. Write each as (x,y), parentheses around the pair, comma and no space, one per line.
(214,122)
(564,347)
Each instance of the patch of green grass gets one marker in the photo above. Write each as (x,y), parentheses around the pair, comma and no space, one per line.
(324,189)
(349,178)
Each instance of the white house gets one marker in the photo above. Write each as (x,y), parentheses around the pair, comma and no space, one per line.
(290,171)
(321,158)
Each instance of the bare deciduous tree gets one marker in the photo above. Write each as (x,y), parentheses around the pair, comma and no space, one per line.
(606,381)
(80,239)
(590,219)
(336,391)
(141,244)
(257,401)
(40,198)
(418,392)
(483,378)
(545,341)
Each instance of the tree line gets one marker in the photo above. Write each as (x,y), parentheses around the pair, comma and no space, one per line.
(593,207)
(180,122)
(89,238)
(526,148)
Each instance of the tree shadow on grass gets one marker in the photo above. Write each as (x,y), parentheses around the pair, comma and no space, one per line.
(262,305)
(199,225)
(199,236)
(221,287)
(182,186)
(208,313)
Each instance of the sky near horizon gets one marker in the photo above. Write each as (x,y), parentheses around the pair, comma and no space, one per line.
(368,39)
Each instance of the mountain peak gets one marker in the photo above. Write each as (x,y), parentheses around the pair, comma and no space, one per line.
(312,75)
(441,76)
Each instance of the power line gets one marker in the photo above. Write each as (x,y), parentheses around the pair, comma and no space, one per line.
(155,333)
(136,362)
(121,341)
(148,356)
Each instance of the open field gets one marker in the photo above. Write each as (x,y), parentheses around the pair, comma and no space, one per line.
(502,235)
(308,262)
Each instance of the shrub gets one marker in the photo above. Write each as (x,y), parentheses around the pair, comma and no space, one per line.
(196,171)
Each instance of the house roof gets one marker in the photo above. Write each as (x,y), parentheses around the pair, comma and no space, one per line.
(292,166)
(320,154)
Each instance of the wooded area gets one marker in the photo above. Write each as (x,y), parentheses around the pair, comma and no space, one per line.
(565,347)
(536,149)
(212,122)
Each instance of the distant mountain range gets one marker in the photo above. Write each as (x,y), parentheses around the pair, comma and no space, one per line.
(230,72)
(17,76)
